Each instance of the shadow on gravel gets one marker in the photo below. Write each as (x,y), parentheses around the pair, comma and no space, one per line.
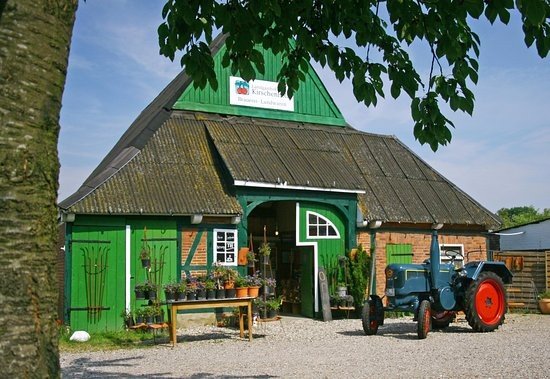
(88,368)
(201,375)
(406,330)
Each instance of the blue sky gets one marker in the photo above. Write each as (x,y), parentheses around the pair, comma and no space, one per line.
(500,156)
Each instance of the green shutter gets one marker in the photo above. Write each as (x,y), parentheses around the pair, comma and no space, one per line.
(399,253)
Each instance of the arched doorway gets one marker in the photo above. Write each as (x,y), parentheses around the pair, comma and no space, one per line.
(303,237)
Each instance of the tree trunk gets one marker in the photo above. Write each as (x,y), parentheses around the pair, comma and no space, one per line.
(34,47)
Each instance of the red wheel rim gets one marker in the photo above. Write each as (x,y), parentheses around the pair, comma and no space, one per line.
(373,324)
(426,322)
(490,302)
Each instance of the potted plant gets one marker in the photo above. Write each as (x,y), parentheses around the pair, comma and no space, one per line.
(150,290)
(265,252)
(149,315)
(139,291)
(140,314)
(250,258)
(145,256)
(229,277)
(170,291)
(544,302)
(210,287)
(272,307)
(254,283)
(269,285)
(128,318)
(201,289)
(158,313)
(191,289)
(241,285)
(181,291)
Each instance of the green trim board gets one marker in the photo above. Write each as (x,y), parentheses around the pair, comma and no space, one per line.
(312,102)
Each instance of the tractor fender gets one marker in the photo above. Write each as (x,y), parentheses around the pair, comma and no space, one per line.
(475,268)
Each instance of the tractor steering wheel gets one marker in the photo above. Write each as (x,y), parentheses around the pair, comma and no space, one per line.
(452,254)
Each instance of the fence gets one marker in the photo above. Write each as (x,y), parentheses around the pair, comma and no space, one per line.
(531,276)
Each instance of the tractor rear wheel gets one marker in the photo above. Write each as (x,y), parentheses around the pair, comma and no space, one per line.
(485,302)
(424,319)
(368,316)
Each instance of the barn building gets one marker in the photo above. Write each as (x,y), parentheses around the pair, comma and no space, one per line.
(202,174)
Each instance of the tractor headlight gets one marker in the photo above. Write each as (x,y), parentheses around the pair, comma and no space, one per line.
(389,272)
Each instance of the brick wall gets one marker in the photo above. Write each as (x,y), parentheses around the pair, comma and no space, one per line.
(421,248)
(188,238)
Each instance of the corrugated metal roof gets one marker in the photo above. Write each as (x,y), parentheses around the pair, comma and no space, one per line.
(176,172)
(182,166)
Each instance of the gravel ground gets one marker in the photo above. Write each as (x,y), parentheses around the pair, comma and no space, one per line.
(305,348)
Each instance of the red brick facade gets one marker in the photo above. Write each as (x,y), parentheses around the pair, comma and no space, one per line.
(474,246)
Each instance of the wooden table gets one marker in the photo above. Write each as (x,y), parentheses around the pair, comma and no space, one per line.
(239,302)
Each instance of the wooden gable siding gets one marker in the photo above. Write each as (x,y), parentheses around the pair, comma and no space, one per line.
(312,102)
(531,276)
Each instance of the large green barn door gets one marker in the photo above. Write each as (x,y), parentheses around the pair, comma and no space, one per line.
(160,237)
(322,227)
(97,285)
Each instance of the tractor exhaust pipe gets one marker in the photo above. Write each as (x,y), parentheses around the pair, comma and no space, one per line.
(434,260)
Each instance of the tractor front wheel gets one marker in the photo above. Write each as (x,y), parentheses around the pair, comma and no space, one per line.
(368,316)
(485,302)
(424,319)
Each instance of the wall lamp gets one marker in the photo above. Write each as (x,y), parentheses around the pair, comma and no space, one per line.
(437,226)
(196,218)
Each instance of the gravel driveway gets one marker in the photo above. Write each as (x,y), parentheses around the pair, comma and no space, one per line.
(304,348)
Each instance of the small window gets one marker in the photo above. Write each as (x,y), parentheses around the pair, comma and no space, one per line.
(225,246)
(320,227)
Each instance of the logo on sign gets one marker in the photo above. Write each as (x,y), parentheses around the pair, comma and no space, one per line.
(241,87)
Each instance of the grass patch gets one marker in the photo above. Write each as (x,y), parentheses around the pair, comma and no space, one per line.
(110,341)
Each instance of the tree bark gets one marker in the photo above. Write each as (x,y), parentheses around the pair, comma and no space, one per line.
(34,47)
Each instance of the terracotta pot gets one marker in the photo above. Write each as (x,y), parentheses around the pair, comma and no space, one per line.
(544,306)
(242,291)
(254,291)
(229,284)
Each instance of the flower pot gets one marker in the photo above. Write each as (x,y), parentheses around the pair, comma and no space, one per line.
(152,295)
(342,291)
(191,296)
(271,313)
(139,320)
(265,259)
(230,293)
(201,294)
(241,291)
(159,319)
(181,296)
(149,319)
(254,291)
(544,306)
(146,263)
(140,295)
(229,284)
(220,293)
(169,296)
(210,294)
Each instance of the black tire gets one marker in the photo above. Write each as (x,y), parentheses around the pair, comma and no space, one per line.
(441,320)
(485,302)
(424,319)
(368,317)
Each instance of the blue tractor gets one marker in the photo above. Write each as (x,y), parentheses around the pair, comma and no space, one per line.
(434,292)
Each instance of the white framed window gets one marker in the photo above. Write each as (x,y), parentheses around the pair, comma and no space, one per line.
(225,246)
(452,248)
(319,226)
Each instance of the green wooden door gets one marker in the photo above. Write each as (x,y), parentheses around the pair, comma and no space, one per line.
(322,227)
(160,237)
(306,281)
(97,293)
